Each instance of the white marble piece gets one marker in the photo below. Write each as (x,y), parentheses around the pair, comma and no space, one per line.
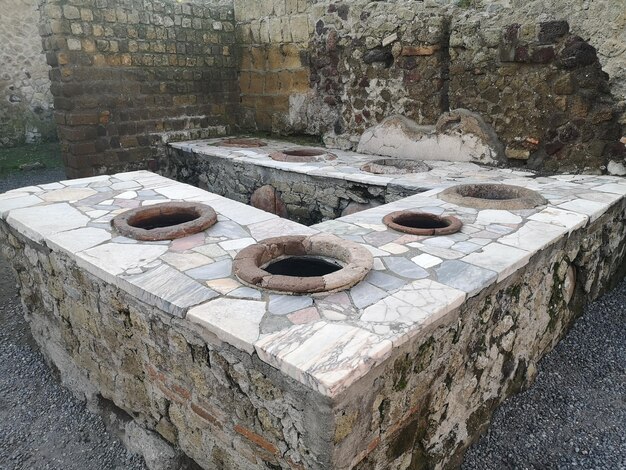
(284,304)
(128,184)
(85,181)
(127,195)
(112,259)
(224,285)
(238,244)
(39,222)
(17,201)
(168,289)
(490,216)
(568,219)
(179,191)
(439,242)
(235,321)
(185,261)
(426,261)
(240,213)
(464,276)
(502,259)
(327,356)
(68,194)
(615,188)
(607,198)
(77,240)
(394,248)
(534,236)
(97,213)
(583,206)
(50,186)
(421,302)
(269,228)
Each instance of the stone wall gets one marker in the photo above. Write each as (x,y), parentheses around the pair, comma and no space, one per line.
(273,37)
(26,114)
(541,88)
(131,74)
(222,407)
(128,75)
(600,22)
(369,60)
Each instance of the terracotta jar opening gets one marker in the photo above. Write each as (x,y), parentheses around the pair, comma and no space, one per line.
(303,265)
(166,221)
(395,166)
(493,196)
(422,223)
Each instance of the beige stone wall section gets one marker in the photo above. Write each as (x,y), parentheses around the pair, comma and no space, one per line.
(25,98)
(273,36)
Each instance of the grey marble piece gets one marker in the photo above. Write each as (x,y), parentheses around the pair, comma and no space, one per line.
(246,293)
(216,270)
(385,281)
(365,294)
(464,276)
(284,304)
(227,229)
(405,267)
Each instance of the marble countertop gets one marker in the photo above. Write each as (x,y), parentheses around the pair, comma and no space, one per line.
(326,341)
(347,165)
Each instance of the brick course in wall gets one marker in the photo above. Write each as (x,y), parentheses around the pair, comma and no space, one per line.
(130,74)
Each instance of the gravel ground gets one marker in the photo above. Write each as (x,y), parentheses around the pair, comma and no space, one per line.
(574,416)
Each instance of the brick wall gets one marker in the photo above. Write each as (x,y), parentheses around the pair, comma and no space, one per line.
(128,75)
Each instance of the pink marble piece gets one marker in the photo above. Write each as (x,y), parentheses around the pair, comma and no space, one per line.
(187,243)
(306,315)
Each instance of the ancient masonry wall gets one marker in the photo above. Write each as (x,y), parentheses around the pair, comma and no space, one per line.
(26,114)
(130,74)
(303,198)
(273,38)
(540,86)
(226,409)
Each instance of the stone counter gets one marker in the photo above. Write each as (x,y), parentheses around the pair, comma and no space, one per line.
(404,369)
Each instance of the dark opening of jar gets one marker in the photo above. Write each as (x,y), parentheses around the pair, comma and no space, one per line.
(488,191)
(163,220)
(302,266)
(421,221)
(304,152)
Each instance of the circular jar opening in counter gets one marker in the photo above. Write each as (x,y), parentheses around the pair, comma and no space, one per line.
(242,142)
(166,221)
(395,166)
(303,265)
(422,223)
(493,196)
(302,155)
